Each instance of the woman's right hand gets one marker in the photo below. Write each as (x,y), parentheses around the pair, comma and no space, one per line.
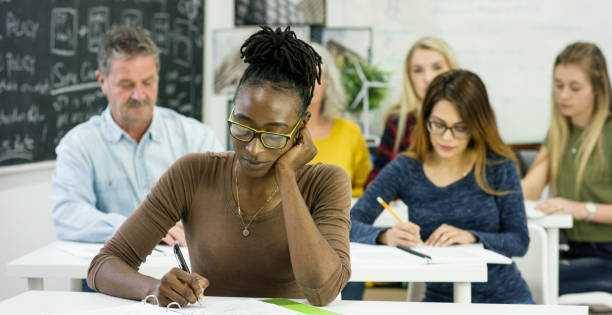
(405,233)
(181,287)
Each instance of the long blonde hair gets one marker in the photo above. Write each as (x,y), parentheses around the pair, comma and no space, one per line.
(409,101)
(591,60)
(466,91)
(334,99)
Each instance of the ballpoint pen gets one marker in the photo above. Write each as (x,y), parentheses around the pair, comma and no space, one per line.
(181,260)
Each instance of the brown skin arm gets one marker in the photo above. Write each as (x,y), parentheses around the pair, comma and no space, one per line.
(313,260)
(117,278)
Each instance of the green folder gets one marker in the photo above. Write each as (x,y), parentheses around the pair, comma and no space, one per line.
(299,307)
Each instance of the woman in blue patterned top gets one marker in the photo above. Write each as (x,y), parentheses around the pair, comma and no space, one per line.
(461,185)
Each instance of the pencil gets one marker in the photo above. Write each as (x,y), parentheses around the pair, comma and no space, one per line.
(414,252)
(386,206)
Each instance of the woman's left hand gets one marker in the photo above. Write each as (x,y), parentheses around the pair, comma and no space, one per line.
(302,152)
(564,206)
(446,235)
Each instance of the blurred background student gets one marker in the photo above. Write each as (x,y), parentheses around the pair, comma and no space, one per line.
(339,141)
(461,184)
(427,58)
(576,161)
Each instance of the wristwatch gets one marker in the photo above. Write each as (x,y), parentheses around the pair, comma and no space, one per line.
(591,209)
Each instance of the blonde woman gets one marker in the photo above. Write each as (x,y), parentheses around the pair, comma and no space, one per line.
(427,58)
(339,141)
(576,161)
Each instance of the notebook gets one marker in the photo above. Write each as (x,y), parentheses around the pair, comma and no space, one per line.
(247,306)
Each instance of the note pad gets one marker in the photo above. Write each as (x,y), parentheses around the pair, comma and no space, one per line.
(246,306)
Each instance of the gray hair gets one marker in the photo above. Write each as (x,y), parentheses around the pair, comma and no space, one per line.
(334,99)
(122,41)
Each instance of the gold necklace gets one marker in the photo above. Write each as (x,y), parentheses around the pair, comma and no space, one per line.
(245,231)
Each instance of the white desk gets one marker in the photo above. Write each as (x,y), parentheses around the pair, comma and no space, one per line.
(552,224)
(51,261)
(44,302)
(461,275)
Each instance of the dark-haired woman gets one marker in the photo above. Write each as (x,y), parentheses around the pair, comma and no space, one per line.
(259,222)
(461,185)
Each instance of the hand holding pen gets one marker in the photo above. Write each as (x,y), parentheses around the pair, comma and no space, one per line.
(406,234)
(179,284)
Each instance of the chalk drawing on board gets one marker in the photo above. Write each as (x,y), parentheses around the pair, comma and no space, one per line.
(181,45)
(17,148)
(160,31)
(131,17)
(64,31)
(190,8)
(98,24)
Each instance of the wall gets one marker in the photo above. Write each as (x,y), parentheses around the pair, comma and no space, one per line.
(25,220)
(510,44)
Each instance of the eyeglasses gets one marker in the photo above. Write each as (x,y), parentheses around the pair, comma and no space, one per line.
(270,140)
(438,129)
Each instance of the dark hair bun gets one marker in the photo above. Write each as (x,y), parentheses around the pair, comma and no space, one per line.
(279,56)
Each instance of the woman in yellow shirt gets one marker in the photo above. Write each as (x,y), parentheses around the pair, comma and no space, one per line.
(339,141)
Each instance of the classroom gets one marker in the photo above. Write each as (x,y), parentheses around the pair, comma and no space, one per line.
(520,186)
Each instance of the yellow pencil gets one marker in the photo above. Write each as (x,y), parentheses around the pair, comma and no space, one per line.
(386,206)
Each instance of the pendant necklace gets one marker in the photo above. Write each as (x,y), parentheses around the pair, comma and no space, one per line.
(245,231)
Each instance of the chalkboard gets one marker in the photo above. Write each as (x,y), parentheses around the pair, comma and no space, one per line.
(48,59)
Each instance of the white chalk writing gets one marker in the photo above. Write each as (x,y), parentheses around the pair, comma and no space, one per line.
(20,28)
(18,63)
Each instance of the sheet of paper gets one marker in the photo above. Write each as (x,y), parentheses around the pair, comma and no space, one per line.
(531,211)
(366,254)
(90,250)
(461,253)
(229,307)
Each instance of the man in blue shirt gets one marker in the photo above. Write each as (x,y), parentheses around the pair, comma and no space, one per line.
(107,165)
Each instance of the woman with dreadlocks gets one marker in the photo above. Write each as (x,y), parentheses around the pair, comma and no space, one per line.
(260,221)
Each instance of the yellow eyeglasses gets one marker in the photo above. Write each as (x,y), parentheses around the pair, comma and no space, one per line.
(270,140)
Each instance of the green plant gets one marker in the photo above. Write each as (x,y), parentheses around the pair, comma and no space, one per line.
(353,84)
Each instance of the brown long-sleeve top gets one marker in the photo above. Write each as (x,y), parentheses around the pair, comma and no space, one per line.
(198,190)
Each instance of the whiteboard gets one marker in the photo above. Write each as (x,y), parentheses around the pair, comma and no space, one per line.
(510,44)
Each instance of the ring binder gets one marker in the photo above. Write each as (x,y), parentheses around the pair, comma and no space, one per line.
(169,307)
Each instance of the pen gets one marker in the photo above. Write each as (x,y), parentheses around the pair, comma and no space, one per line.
(386,206)
(414,252)
(181,260)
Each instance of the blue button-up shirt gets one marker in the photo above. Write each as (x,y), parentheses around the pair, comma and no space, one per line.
(102,174)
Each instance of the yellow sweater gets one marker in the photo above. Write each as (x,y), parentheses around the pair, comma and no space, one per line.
(346,147)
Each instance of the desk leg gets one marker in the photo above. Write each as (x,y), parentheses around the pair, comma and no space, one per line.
(462,292)
(76,285)
(553,264)
(35,283)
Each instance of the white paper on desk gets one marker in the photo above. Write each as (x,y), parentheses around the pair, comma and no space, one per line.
(531,211)
(132,309)
(381,255)
(90,250)
(229,307)
(461,253)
